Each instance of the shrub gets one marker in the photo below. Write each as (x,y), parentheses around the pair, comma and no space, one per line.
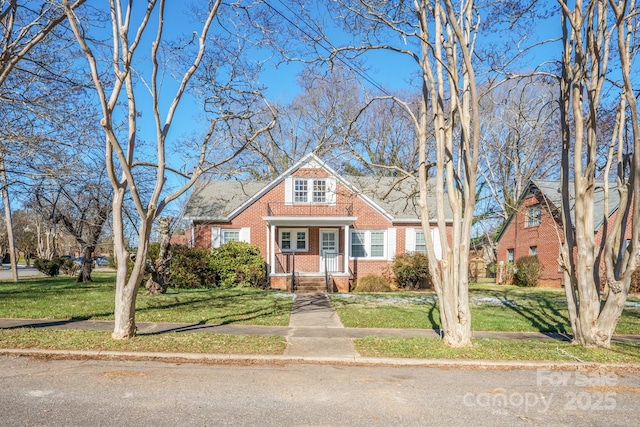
(411,270)
(48,267)
(238,263)
(527,271)
(67,266)
(190,268)
(635,281)
(373,283)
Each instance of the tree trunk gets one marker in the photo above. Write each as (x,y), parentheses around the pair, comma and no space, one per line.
(7,216)
(127,288)
(160,271)
(87,265)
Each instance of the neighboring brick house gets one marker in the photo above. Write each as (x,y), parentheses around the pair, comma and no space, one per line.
(310,220)
(535,228)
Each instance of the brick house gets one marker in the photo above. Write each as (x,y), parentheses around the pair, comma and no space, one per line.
(535,228)
(310,221)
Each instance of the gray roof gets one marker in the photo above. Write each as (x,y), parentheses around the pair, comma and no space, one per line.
(399,198)
(552,193)
(217,200)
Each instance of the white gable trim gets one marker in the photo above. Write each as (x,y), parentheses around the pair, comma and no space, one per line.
(314,162)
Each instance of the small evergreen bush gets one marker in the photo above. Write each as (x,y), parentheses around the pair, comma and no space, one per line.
(373,283)
(238,263)
(527,271)
(411,270)
(190,268)
(48,267)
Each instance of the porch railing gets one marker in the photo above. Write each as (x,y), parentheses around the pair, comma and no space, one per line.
(309,209)
(286,263)
(331,265)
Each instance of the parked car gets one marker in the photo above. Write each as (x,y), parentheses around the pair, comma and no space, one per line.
(80,261)
(101,261)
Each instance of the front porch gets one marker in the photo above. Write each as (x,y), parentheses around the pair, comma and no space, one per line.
(309,251)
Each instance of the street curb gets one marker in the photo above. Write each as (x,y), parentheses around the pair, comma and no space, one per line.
(242,359)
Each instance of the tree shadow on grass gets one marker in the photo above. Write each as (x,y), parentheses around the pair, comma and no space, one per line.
(541,312)
(239,312)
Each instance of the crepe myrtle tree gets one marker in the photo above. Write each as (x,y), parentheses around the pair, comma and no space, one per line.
(599,43)
(439,38)
(232,106)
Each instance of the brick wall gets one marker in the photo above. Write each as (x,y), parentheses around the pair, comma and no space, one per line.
(368,218)
(545,237)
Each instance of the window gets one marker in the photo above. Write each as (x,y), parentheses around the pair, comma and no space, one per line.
(368,244)
(377,244)
(220,236)
(229,236)
(357,244)
(510,256)
(294,240)
(285,241)
(319,190)
(301,240)
(309,190)
(421,246)
(533,250)
(533,215)
(300,191)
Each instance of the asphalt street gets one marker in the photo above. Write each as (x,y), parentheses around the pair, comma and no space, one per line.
(5,272)
(127,393)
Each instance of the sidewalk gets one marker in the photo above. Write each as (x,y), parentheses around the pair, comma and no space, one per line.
(315,334)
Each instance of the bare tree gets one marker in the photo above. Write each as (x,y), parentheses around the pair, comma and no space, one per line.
(439,37)
(592,31)
(118,83)
(23,25)
(316,120)
(82,206)
(519,127)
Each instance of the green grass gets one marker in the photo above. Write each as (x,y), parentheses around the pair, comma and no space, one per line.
(492,349)
(26,338)
(496,308)
(62,298)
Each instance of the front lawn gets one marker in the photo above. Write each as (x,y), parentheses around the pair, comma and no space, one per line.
(62,298)
(27,338)
(494,349)
(493,308)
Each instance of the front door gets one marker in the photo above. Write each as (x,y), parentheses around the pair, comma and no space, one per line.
(329,251)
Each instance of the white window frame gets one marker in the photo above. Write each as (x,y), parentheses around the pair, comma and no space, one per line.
(300,195)
(367,244)
(244,235)
(511,253)
(296,195)
(322,191)
(294,239)
(411,240)
(223,231)
(420,232)
(533,250)
(533,215)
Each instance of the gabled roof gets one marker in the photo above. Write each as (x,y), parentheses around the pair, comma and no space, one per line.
(551,191)
(221,201)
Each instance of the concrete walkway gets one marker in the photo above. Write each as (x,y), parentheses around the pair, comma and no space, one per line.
(314,311)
